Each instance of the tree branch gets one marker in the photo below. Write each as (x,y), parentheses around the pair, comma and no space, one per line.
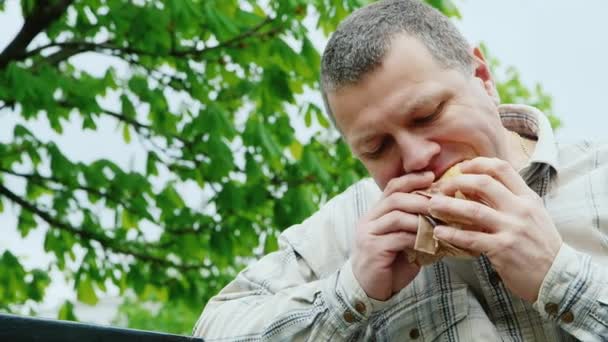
(40,180)
(43,15)
(190,53)
(105,241)
(133,122)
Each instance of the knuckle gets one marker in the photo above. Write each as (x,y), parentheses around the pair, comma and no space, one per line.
(406,239)
(364,242)
(508,241)
(477,212)
(460,238)
(398,200)
(529,206)
(397,184)
(502,166)
(393,200)
(484,181)
(402,221)
(466,240)
(495,161)
(452,235)
(390,186)
(405,183)
(395,219)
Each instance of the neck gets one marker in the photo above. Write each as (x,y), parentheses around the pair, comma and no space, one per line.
(519,150)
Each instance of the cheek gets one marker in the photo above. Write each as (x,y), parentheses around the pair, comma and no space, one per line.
(478,131)
(382,171)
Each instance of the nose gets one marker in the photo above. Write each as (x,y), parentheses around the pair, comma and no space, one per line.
(416,152)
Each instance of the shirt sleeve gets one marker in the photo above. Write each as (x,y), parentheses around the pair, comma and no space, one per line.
(574,294)
(279,298)
(287,295)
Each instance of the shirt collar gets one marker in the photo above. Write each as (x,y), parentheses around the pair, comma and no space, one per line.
(531,123)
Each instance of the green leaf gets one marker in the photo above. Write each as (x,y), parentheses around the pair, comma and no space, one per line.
(25,222)
(447,7)
(172,197)
(271,244)
(85,292)
(126,133)
(128,221)
(128,109)
(66,312)
(308,118)
(88,123)
(151,161)
(296,150)
(321,118)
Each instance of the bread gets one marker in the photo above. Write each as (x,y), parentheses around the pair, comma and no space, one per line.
(427,248)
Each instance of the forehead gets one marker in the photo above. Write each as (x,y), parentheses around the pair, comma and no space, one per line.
(407,73)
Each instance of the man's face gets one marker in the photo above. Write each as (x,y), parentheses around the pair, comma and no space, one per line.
(412,115)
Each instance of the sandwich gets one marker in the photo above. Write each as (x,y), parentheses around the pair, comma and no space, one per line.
(427,248)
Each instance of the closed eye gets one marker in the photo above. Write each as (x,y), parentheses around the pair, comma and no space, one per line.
(377,152)
(431,117)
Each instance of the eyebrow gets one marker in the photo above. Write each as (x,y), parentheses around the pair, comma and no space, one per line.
(409,107)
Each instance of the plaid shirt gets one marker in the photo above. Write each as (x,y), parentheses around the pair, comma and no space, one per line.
(306,290)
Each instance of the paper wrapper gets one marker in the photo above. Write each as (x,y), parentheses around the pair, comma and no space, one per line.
(427,248)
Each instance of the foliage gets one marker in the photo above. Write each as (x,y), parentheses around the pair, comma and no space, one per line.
(511,89)
(208,95)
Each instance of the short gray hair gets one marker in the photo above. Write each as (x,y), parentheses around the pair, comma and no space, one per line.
(363,38)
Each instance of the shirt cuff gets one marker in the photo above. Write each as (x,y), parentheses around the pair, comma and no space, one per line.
(571,294)
(347,300)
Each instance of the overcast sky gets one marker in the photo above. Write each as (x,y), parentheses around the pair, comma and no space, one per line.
(561,44)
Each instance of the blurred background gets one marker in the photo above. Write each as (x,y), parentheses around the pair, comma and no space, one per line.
(150,149)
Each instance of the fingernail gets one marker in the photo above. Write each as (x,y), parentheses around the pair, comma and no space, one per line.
(440,232)
(435,188)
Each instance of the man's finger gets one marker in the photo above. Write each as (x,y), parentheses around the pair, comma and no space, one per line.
(395,221)
(409,183)
(481,188)
(477,242)
(409,203)
(499,170)
(466,212)
(397,241)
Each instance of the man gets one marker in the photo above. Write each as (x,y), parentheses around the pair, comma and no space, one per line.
(411,99)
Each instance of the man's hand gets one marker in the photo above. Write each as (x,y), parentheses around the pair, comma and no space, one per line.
(379,262)
(513,229)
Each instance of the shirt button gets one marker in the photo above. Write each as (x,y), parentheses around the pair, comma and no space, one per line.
(360,307)
(348,316)
(567,317)
(414,333)
(494,278)
(551,309)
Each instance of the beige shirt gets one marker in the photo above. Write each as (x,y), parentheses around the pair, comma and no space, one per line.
(306,290)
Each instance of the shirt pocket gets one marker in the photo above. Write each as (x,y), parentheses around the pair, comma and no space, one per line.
(429,317)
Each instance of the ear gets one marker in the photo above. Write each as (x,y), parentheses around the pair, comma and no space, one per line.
(483,73)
